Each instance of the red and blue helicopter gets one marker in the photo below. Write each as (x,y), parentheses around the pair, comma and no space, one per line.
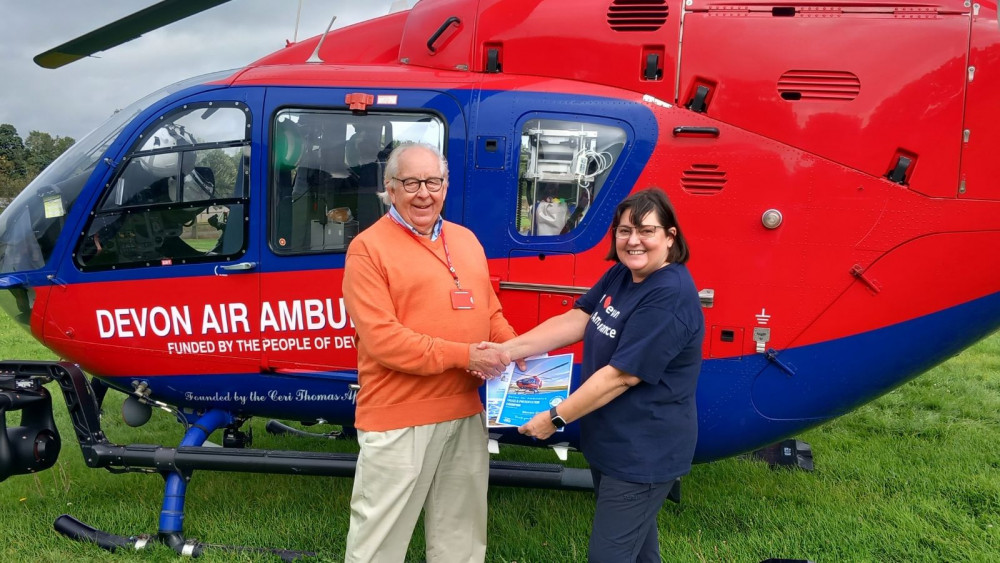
(529,383)
(832,164)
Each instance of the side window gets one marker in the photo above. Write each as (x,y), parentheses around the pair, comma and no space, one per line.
(327,171)
(181,196)
(563,165)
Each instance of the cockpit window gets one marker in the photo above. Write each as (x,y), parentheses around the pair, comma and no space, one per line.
(31,224)
(180,197)
(199,126)
(563,166)
(172,164)
(327,173)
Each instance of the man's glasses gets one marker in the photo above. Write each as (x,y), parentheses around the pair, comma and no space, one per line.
(645,231)
(412,185)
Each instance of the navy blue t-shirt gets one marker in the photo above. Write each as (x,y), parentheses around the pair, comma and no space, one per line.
(652,330)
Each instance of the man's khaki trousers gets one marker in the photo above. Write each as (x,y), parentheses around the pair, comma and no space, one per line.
(442,468)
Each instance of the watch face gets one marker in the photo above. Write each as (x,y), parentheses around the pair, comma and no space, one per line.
(557,420)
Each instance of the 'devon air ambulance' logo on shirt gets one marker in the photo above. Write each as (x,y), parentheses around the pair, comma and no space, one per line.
(598,321)
(609,309)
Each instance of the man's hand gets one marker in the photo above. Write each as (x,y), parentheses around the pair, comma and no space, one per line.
(487,362)
(540,426)
(519,362)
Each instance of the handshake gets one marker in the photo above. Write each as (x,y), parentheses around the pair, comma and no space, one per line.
(489,359)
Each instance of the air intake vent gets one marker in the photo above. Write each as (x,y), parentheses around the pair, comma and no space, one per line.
(703,179)
(819,85)
(637,15)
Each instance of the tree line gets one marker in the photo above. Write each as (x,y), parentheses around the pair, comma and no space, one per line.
(23,159)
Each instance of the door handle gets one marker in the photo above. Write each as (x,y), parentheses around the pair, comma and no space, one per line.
(235,268)
(688,131)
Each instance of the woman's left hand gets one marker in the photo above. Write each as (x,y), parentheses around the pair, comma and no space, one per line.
(540,426)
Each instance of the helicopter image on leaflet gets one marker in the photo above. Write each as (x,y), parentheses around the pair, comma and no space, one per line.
(534,382)
(529,383)
(190,251)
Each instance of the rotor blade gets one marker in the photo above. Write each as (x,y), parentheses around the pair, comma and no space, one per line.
(548,370)
(126,29)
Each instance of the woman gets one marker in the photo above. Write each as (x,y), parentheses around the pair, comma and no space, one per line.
(642,329)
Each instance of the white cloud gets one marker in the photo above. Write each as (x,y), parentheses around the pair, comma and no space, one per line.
(72,100)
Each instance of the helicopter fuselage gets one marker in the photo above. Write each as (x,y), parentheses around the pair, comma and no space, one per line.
(831,165)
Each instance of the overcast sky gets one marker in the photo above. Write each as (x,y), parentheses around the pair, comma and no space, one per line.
(74,99)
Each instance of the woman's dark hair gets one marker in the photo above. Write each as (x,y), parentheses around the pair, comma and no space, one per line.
(639,205)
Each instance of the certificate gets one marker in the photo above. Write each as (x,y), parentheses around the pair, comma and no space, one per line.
(516,396)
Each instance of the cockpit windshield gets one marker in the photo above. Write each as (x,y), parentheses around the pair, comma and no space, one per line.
(31,224)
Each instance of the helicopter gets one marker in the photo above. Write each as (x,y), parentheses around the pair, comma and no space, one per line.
(529,383)
(831,163)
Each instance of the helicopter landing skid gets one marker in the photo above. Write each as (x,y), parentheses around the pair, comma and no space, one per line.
(178,464)
(77,530)
(280,428)
(790,453)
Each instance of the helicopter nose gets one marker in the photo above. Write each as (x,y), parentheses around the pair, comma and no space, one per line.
(24,226)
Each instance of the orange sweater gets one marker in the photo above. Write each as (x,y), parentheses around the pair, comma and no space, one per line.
(413,347)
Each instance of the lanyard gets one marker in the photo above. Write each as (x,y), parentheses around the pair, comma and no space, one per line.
(447,255)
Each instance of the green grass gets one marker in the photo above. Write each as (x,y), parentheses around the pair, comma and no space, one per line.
(912,476)
(202,244)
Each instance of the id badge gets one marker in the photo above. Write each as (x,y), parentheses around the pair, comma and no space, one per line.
(461,299)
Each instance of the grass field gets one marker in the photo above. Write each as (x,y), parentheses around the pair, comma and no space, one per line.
(913,476)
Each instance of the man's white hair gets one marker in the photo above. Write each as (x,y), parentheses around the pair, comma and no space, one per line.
(392,166)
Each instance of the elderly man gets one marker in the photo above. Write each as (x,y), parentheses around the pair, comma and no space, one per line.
(418,290)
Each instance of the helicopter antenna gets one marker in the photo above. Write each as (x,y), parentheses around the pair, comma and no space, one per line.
(298,14)
(315,58)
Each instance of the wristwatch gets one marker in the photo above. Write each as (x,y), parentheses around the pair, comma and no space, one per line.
(557,420)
